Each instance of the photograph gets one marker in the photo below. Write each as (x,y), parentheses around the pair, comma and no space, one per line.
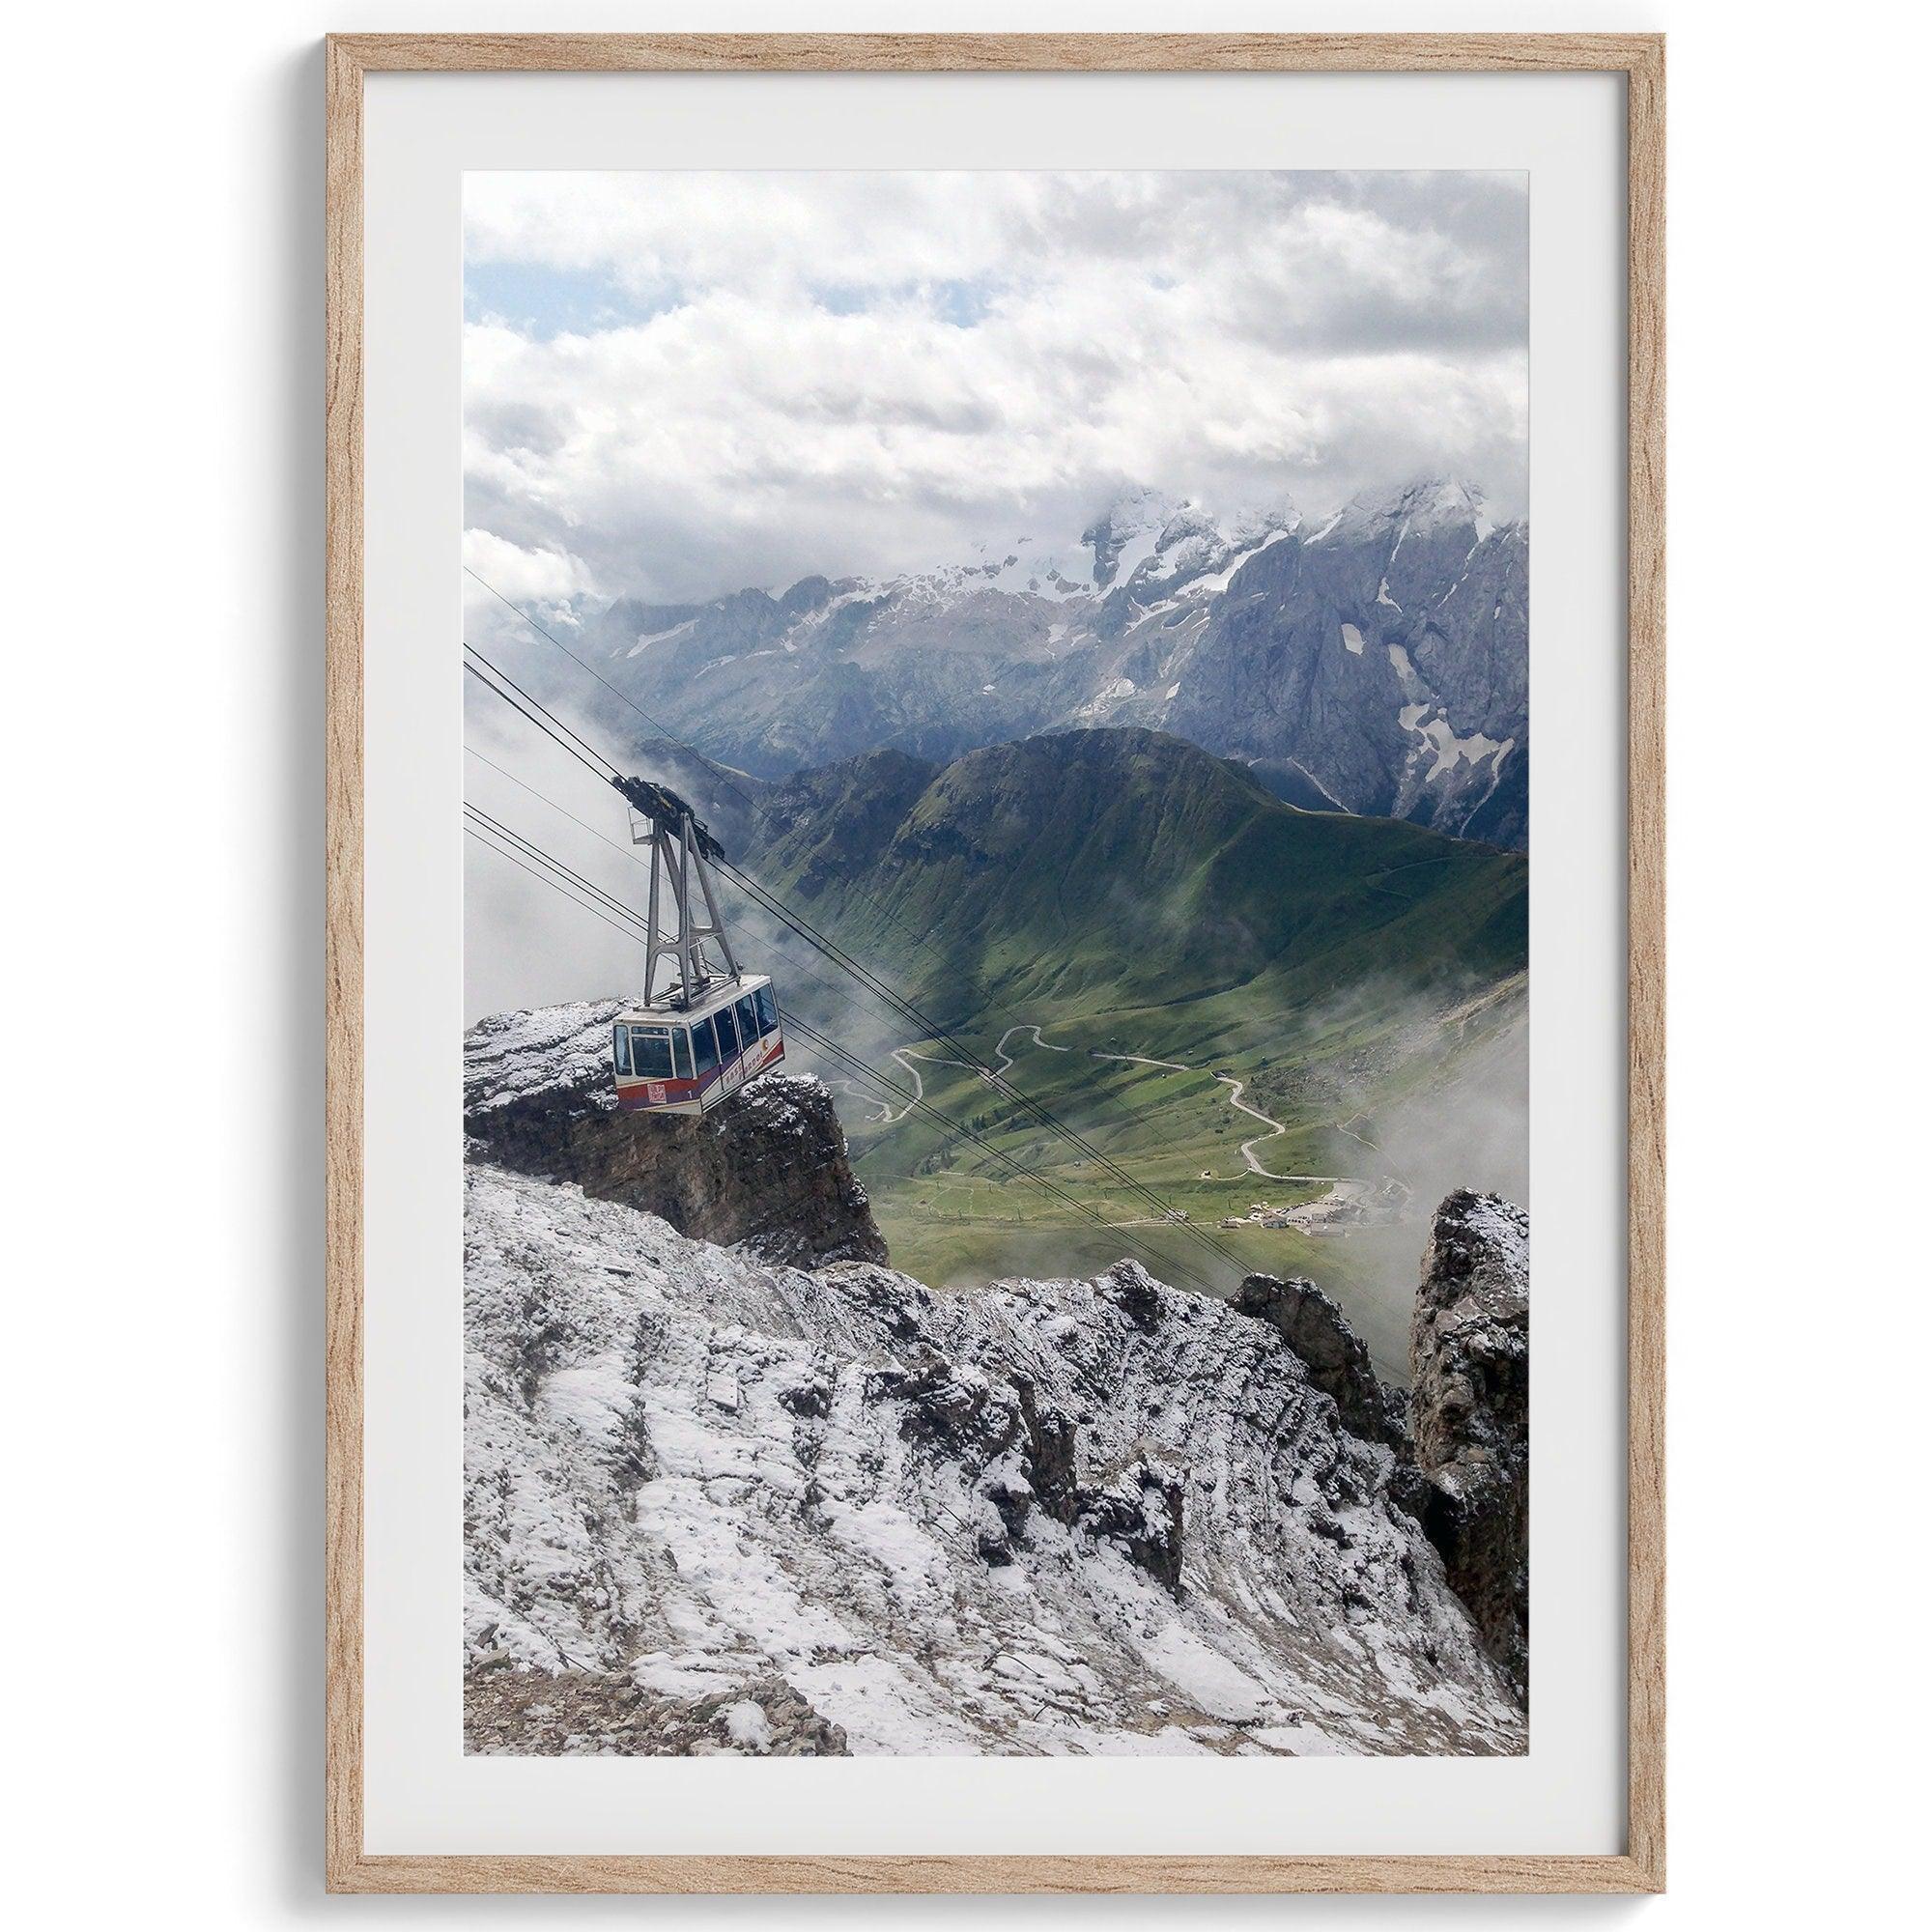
(995,1081)
(866,1034)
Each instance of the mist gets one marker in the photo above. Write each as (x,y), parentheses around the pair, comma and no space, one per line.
(530,943)
(1451,1111)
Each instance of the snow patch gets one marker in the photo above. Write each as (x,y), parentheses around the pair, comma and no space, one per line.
(644,643)
(1208,1680)
(747,1725)
(1134,553)
(1214,585)
(1452,751)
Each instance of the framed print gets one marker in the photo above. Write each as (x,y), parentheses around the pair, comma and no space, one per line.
(943,1008)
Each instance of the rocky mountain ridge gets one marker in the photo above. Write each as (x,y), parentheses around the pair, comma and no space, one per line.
(1470,1414)
(728,1505)
(1461,1431)
(1375,664)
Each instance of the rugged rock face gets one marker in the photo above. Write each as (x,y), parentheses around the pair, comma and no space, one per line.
(1470,1413)
(1336,1357)
(717,1503)
(1377,662)
(1384,658)
(1462,1435)
(511,1712)
(769,1168)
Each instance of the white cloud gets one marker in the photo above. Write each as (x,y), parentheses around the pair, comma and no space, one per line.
(541,575)
(678,385)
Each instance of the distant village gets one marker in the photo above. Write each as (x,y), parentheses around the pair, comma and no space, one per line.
(1262,1214)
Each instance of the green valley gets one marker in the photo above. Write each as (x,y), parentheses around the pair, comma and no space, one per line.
(1308,977)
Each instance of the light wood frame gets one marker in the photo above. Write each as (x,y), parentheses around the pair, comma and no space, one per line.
(1639,58)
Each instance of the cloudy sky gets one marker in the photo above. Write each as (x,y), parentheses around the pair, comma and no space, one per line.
(678,385)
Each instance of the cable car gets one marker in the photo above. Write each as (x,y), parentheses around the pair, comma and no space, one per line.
(688,1048)
(671,1062)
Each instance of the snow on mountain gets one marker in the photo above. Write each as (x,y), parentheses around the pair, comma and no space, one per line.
(1380,657)
(1027,567)
(1146,538)
(715,1504)
(1127,534)
(1421,509)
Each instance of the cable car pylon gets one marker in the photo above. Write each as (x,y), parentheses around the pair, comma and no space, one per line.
(679,846)
(697,1039)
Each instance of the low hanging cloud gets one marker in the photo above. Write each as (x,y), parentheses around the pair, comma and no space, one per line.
(679,385)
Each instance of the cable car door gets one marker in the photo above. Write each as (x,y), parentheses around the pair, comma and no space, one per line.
(730,1052)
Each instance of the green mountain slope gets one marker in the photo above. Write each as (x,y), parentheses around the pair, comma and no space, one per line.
(1093,871)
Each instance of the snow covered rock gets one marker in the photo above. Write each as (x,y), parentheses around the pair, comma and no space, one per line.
(768,1169)
(1336,1357)
(1046,1516)
(1470,1413)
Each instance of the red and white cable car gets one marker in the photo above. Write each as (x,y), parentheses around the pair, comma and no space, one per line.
(688,1062)
(688,1048)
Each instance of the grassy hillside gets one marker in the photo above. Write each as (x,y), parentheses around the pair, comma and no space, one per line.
(1104,870)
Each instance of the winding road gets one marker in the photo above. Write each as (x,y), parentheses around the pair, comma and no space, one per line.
(1235,1088)
(1002,1059)
(905,1056)
(1006,1059)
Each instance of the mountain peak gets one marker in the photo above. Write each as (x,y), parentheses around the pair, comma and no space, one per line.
(1134,511)
(1256,524)
(1128,532)
(1429,503)
(1166,537)
(1440,503)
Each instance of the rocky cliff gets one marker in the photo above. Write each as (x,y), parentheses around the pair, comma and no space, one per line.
(1460,1433)
(769,1170)
(1336,1357)
(1469,1413)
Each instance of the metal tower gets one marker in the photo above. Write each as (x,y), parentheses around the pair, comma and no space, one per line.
(679,846)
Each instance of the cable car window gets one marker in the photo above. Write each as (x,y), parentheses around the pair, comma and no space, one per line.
(727,1035)
(768,1010)
(680,1040)
(706,1047)
(620,1041)
(650,1053)
(747,1020)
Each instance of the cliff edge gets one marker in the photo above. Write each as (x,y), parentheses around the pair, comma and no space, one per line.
(769,1171)
(1470,1414)
(1460,1434)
